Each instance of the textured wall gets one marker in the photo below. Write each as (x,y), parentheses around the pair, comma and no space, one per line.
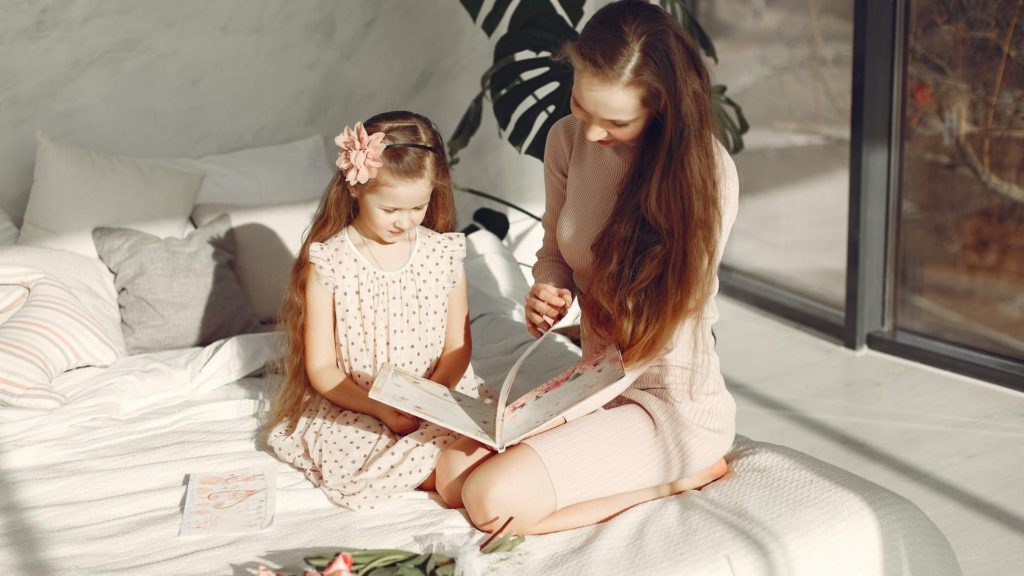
(194,77)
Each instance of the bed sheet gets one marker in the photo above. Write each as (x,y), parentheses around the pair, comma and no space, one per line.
(97,486)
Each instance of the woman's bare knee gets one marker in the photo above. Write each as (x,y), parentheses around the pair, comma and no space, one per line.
(454,465)
(486,502)
(511,485)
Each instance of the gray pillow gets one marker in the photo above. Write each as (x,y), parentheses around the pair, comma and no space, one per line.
(176,292)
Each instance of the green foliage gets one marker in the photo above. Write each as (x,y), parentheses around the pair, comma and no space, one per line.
(529,88)
(383,562)
(387,562)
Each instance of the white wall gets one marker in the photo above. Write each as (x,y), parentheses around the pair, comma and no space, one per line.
(194,77)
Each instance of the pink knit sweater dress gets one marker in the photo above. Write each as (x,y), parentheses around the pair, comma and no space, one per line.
(677,418)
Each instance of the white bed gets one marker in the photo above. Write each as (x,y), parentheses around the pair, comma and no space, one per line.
(97,485)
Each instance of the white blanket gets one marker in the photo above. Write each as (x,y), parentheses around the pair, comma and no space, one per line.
(96,487)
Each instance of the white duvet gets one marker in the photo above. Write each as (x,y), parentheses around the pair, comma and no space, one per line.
(96,487)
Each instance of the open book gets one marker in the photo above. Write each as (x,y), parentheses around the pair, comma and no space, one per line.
(580,388)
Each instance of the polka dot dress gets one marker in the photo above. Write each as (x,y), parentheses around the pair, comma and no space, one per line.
(397,317)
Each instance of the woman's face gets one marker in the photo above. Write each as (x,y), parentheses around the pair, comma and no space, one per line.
(611,113)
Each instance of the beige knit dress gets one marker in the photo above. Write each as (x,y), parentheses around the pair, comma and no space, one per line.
(677,418)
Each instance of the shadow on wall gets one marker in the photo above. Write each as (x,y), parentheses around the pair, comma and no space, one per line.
(261,266)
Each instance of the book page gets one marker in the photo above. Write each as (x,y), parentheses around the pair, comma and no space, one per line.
(572,387)
(435,403)
(506,386)
(228,502)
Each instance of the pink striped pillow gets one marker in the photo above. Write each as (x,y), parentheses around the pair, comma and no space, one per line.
(46,333)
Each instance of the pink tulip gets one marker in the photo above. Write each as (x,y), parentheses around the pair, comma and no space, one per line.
(340,566)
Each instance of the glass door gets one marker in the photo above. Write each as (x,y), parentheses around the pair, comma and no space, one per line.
(959,255)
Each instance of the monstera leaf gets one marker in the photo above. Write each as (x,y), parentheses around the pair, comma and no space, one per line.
(526,86)
(529,90)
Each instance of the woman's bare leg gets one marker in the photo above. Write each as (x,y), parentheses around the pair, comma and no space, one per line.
(601,509)
(516,484)
(454,465)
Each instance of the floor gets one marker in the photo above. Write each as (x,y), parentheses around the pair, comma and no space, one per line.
(952,445)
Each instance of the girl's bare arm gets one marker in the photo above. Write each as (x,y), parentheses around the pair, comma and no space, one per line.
(322,363)
(458,343)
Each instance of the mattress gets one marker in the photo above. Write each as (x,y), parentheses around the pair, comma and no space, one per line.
(97,486)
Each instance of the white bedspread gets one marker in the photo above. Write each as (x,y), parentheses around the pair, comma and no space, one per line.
(96,487)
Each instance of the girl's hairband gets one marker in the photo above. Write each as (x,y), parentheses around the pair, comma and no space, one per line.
(420,146)
(360,153)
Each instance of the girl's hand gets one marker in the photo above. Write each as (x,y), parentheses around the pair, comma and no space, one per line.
(545,306)
(397,421)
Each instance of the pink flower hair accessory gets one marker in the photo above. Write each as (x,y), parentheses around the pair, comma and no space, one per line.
(360,153)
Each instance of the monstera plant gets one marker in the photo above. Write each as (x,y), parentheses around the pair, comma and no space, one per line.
(529,89)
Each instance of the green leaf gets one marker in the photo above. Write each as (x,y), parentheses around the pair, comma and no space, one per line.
(730,130)
(573,9)
(538,34)
(512,72)
(507,103)
(467,128)
(408,570)
(509,544)
(528,119)
(536,147)
(383,558)
(495,16)
(473,7)
(692,27)
(318,562)
(504,543)
(529,10)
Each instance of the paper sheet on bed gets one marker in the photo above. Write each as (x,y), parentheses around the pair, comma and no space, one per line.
(229,502)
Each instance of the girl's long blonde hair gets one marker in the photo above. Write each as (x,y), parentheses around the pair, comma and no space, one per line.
(338,208)
(658,253)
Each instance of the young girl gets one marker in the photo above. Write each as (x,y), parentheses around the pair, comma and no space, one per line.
(379,279)
(640,201)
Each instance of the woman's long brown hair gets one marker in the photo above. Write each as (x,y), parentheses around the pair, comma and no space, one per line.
(658,253)
(338,208)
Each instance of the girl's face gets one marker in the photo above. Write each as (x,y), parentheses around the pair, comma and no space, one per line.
(392,207)
(611,113)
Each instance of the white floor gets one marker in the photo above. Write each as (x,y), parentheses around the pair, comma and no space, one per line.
(952,445)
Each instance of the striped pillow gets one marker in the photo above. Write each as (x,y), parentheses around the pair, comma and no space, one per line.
(46,333)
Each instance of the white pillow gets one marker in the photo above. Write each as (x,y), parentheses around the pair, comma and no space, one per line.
(289,172)
(8,231)
(48,333)
(87,278)
(76,190)
(267,239)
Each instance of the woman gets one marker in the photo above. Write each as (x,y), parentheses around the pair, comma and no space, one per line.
(640,201)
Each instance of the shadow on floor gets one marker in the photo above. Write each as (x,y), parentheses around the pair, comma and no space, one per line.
(955,493)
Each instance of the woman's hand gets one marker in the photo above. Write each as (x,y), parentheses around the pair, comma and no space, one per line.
(397,421)
(545,306)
